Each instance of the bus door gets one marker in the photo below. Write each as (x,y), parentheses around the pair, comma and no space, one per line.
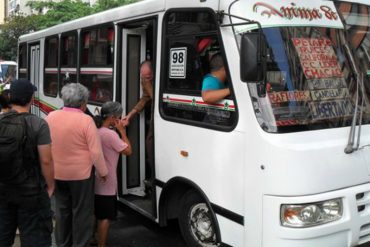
(35,75)
(133,167)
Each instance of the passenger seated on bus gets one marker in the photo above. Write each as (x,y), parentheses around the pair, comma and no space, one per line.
(52,88)
(103,92)
(213,86)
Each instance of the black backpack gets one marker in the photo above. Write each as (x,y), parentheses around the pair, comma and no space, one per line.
(17,150)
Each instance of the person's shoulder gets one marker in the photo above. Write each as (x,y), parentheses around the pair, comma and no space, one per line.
(35,119)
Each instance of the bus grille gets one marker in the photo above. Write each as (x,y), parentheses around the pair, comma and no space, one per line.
(363,208)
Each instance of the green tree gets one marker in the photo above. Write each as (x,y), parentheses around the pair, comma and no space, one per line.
(58,12)
(102,5)
(14,27)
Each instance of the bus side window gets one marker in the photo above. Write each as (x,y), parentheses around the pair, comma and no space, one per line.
(96,71)
(51,67)
(190,44)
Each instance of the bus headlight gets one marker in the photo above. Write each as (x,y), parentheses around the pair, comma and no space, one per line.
(311,214)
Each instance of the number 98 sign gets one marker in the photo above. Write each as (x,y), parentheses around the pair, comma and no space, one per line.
(178,62)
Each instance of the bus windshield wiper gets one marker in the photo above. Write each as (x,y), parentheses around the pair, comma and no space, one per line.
(351,147)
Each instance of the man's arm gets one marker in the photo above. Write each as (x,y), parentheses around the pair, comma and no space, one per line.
(145,98)
(213,96)
(47,166)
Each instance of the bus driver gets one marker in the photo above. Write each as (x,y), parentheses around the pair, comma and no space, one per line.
(213,86)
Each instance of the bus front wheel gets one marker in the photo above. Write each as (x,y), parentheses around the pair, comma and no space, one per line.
(196,222)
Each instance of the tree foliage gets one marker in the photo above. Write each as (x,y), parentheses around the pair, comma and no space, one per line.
(10,32)
(102,5)
(57,13)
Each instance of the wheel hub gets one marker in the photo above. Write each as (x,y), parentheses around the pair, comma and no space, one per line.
(201,225)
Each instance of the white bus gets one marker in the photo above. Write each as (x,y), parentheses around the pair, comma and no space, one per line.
(285,161)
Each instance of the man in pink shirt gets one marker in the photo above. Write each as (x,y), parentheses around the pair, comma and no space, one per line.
(76,148)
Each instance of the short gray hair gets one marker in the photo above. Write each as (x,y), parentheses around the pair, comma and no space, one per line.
(75,95)
(111,108)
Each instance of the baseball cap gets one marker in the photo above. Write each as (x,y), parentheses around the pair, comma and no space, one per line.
(22,89)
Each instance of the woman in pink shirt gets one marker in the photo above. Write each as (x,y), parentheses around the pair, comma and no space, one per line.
(76,148)
(113,146)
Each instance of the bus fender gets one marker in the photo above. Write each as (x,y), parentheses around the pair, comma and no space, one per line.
(170,198)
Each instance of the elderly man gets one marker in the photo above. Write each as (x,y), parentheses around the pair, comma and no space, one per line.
(146,76)
(76,148)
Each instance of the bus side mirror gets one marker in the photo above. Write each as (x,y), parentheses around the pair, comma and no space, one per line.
(252,57)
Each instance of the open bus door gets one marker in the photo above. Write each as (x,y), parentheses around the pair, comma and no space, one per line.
(133,167)
(35,73)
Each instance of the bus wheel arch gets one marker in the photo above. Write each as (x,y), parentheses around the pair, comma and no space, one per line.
(180,192)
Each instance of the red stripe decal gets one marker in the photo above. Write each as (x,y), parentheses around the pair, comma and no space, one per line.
(43,107)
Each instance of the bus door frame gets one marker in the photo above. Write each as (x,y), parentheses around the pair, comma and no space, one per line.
(34,74)
(133,180)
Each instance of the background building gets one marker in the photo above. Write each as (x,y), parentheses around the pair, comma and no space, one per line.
(3,10)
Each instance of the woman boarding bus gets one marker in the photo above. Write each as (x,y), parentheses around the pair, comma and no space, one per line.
(283,163)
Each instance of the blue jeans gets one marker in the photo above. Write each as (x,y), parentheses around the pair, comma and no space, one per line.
(31,215)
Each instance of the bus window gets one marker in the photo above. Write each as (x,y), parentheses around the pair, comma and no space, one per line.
(191,42)
(68,59)
(97,63)
(23,73)
(357,19)
(51,67)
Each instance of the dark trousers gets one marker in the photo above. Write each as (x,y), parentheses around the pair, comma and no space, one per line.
(30,214)
(74,212)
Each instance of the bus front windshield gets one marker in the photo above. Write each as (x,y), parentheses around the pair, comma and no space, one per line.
(309,82)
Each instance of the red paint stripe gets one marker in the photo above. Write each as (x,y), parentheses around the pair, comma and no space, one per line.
(198,102)
(43,107)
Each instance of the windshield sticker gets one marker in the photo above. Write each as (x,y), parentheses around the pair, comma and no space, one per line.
(327,94)
(286,96)
(331,109)
(287,13)
(317,58)
(178,63)
(326,83)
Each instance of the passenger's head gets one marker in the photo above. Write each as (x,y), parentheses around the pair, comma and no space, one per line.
(75,95)
(110,111)
(146,71)
(217,67)
(21,92)
(216,63)
(4,99)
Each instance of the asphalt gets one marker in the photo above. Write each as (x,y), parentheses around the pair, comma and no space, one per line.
(131,229)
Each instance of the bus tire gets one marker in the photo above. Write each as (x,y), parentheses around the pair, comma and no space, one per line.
(196,222)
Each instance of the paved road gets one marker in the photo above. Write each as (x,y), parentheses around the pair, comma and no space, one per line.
(134,230)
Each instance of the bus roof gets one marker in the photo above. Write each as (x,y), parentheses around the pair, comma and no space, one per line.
(111,15)
(119,14)
(7,62)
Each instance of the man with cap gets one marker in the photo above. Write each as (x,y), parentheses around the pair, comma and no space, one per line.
(26,205)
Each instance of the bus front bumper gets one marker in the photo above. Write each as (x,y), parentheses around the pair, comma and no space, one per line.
(352,229)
